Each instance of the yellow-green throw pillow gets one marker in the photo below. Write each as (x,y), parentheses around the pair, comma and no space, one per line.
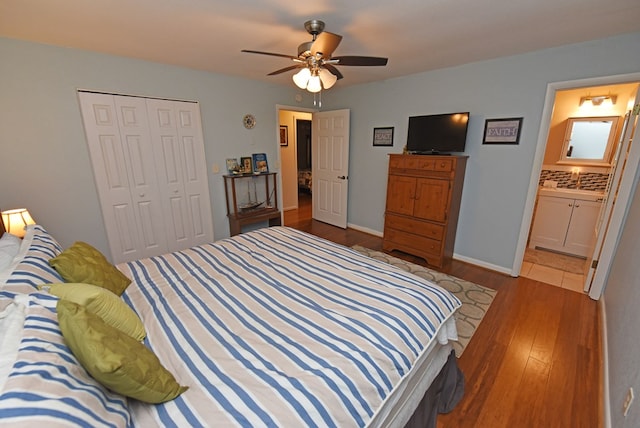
(83,263)
(115,359)
(103,303)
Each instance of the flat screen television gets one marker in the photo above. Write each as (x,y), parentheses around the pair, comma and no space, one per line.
(437,133)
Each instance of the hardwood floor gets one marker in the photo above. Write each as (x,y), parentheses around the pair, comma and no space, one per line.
(535,360)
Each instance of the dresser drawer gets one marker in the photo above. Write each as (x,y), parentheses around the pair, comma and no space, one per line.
(428,230)
(421,163)
(419,244)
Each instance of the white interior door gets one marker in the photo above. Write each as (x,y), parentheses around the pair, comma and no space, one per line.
(330,166)
(626,167)
(150,170)
(119,144)
(179,157)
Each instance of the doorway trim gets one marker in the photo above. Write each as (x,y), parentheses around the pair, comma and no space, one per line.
(538,159)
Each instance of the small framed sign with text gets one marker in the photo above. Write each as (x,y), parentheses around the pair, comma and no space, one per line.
(502,131)
(383,136)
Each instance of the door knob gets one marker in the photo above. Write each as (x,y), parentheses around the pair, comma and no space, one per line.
(342,177)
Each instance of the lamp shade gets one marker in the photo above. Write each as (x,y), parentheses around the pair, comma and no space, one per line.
(16,220)
(314,84)
(327,77)
(301,78)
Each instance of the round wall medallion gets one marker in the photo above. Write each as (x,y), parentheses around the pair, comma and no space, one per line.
(249,121)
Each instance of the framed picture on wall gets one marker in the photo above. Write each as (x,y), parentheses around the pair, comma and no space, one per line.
(502,131)
(284,135)
(383,136)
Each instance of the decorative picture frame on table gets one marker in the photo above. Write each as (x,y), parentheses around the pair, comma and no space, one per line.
(232,166)
(502,131)
(383,136)
(284,136)
(246,164)
(260,163)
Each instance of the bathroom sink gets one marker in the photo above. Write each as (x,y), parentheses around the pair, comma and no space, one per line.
(589,195)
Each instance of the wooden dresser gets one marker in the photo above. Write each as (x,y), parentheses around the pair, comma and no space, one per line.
(423,202)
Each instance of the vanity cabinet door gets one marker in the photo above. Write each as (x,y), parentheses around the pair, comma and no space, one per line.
(582,228)
(551,223)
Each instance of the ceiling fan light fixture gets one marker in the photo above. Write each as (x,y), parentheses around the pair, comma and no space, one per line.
(328,78)
(314,84)
(301,78)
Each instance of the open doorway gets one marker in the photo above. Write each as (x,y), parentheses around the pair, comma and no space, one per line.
(295,161)
(569,193)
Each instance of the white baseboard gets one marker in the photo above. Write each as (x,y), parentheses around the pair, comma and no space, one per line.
(365,230)
(455,255)
(606,406)
(481,263)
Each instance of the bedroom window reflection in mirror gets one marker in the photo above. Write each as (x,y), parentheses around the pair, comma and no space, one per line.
(589,140)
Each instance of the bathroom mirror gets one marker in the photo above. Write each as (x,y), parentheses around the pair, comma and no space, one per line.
(589,140)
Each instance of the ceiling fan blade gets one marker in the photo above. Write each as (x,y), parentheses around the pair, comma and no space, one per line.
(360,60)
(325,44)
(284,70)
(333,70)
(269,53)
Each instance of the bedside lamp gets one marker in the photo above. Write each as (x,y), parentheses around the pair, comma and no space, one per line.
(16,220)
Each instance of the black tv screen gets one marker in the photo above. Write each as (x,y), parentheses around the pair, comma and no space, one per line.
(437,133)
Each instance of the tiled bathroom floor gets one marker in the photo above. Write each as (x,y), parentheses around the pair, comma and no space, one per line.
(557,277)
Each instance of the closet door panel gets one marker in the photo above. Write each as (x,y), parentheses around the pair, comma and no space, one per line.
(134,131)
(107,155)
(177,126)
(195,171)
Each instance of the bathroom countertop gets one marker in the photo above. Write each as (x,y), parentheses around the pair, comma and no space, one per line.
(587,195)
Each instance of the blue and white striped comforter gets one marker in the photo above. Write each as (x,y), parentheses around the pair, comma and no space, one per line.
(279,328)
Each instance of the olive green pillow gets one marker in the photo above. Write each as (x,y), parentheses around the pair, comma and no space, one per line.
(103,303)
(83,263)
(113,358)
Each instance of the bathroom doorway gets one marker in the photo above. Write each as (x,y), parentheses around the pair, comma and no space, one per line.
(564,102)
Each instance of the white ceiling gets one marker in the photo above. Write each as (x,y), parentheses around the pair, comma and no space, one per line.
(416,35)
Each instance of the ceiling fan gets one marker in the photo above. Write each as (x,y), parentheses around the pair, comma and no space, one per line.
(317,67)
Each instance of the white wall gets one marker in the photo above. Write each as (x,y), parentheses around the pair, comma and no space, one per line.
(497,177)
(44,161)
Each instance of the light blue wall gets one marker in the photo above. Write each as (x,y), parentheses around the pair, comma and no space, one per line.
(43,152)
(621,297)
(44,163)
(497,178)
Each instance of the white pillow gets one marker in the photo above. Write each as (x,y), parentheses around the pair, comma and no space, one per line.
(9,247)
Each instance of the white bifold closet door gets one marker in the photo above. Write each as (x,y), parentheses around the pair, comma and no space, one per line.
(150,172)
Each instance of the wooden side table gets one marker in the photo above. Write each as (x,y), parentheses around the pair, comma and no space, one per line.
(251,198)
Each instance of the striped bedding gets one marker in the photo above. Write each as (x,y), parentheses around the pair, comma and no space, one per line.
(280,328)
(45,385)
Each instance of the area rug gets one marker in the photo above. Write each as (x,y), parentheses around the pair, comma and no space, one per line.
(475,298)
(555,260)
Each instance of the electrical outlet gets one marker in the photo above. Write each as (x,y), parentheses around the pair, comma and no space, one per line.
(627,402)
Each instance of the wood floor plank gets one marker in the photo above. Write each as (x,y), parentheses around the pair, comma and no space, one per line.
(534,361)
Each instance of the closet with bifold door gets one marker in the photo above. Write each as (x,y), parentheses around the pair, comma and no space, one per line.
(150,173)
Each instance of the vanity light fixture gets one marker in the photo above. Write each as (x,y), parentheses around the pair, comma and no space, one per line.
(598,100)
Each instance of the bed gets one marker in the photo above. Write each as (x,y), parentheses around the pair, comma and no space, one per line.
(274,327)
